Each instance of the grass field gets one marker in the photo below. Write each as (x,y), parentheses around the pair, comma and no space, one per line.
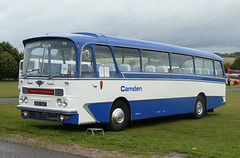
(233,87)
(228,60)
(216,135)
(9,89)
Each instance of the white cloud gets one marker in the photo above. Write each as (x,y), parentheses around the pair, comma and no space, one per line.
(209,24)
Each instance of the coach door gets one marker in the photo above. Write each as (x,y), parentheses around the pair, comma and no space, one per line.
(97,65)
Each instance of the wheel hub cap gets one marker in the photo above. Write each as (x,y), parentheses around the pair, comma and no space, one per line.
(199,108)
(117,116)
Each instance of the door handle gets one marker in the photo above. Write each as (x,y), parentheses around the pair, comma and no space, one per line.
(95,86)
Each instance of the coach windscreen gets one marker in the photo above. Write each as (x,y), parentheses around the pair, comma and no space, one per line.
(50,58)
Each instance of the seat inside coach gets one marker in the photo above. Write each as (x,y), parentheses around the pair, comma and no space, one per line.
(112,69)
(177,70)
(136,68)
(150,68)
(205,72)
(187,70)
(161,69)
(88,69)
(125,67)
(219,72)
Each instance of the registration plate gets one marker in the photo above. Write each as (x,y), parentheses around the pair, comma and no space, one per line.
(39,103)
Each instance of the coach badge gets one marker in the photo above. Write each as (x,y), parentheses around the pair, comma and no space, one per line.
(39,83)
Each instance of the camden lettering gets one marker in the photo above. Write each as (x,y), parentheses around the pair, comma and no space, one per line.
(127,89)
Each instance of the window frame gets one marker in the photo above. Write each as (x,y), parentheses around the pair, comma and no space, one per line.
(139,53)
(181,66)
(223,73)
(213,66)
(113,57)
(155,51)
(93,59)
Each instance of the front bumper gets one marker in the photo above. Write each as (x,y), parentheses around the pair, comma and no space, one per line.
(47,110)
(49,114)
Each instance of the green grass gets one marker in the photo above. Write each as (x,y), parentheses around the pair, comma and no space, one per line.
(216,135)
(9,89)
(233,87)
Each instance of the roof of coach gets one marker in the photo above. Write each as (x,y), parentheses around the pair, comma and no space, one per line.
(82,38)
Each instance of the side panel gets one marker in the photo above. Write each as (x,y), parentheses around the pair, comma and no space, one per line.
(100,111)
(147,97)
(153,97)
(214,102)
(163,107)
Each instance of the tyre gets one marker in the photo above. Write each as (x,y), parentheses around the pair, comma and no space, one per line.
(119,116)
(199,108)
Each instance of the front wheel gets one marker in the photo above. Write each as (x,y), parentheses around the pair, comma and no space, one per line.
(199,108)
(119,116)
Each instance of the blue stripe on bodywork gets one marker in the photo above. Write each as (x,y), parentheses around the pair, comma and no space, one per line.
(153,108)
(100,111)
(173,77)
(162,107)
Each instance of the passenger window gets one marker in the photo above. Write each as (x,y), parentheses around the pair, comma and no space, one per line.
(127,59)
(87,64)
(155,61)
(182,64)
(218,69)
(105,63)
(204,66)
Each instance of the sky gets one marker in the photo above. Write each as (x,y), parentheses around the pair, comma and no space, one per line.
(209,25)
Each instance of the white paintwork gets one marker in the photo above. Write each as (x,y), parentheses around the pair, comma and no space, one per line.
(86,91)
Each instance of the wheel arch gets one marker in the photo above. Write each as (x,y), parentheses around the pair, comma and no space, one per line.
(123,99)
(204,97)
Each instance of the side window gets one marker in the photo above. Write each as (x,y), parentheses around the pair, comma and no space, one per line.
(127,59)
(155,61)
(218,69)
(87,64)
(204,66)
(182,64)
(105,63)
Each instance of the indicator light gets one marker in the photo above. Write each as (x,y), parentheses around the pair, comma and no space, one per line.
(101,84)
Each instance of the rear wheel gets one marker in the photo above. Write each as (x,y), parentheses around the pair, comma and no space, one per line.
(119,116)
(199,108)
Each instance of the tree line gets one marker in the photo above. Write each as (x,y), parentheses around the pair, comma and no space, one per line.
(235,65)
(9,61)
(229,55)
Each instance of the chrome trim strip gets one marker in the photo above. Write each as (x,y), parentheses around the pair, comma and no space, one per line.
(85,106)
(172,74)
(154,79)
(50,110)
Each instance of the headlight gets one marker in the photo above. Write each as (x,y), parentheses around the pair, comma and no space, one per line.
(61,117)
(59,102)
(26,100)
(64,103)
(21,100)
(25,113)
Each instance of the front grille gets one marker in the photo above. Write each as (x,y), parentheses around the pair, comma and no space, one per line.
(56,92)
(43,115)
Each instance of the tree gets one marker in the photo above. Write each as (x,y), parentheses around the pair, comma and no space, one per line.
(8,66)
(226,66)
(7,47)
(236,64)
